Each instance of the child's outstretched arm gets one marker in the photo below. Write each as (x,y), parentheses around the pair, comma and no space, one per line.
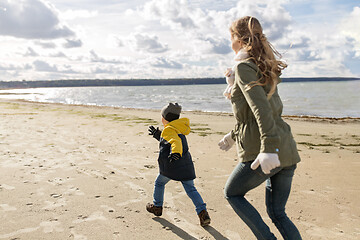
(155,132)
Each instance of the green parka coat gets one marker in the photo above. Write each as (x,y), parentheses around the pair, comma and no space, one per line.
(259,127)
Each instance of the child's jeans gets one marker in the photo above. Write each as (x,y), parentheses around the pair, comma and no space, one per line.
(189,187)
(278,186)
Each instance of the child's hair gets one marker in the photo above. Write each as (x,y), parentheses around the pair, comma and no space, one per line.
(249,31)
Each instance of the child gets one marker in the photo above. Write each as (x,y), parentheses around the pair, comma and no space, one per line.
(175,162)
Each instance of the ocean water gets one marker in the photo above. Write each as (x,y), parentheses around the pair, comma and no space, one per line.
(322,99)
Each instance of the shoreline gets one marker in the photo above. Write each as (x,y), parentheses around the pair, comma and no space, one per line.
(293,117)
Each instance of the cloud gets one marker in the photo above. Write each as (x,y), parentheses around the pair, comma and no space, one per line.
(72,14)
(30,53)
(274,18)
(72,43)
(218,45)
(11,67)
(58,55)
(61,70)
(42,66)
(188,24)
(31,19)
(94,57)
(350,26)
(170,12)
(115,41)
(198,27)
(107,70)
(146,43)
(162,62)
(45,44)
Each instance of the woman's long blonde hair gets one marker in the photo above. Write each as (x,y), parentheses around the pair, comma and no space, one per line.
(250,33)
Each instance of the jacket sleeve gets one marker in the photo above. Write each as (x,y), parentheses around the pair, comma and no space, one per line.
(256,98)
(171,136)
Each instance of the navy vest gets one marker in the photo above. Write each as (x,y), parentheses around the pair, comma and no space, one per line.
(180,170)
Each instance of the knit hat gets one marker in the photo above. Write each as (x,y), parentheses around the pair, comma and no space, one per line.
(171,112)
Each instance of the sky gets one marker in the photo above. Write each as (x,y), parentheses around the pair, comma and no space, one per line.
(132,39)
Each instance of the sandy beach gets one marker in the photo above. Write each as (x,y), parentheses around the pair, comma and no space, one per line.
(85,172)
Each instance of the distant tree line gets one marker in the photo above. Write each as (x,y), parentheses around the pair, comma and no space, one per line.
(137,82)
(107,82)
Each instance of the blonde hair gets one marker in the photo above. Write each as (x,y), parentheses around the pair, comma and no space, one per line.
(249,31)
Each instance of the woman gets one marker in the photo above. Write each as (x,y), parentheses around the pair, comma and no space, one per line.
(265,145)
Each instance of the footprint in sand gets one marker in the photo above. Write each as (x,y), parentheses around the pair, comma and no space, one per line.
(52,205)
(51,226)
(21,231)
(48,227)
(77,236)
(6,187)
(7,208)
(136,188)
(93,217)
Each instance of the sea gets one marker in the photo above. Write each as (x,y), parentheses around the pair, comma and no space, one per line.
(332,99)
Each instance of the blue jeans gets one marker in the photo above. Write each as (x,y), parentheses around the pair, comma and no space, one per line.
(278,186)
(189,187)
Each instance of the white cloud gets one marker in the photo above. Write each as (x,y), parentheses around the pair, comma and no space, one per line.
(166,63)
(146,43)
(11,67)
(198,27)
(322,49)
(45,44)
(94,57)
(105,71)
(33,19)
(44,66)
(72,43)
(272,15)
(58,55)
(31,53)
(217,45)
(350,26)
(174,13)
(72,14)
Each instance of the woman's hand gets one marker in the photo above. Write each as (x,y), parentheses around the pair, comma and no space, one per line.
(226,142)
(230,76)
(267,161)
(228,72)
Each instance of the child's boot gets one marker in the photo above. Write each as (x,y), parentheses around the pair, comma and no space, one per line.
(157,211)
(204,218)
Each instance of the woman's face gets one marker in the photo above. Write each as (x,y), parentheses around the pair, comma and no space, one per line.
(235,44)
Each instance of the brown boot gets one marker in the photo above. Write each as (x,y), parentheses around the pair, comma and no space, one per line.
(157,211)
(204,218)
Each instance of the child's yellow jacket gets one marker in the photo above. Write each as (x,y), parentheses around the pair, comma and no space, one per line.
(171,133)
(173,140)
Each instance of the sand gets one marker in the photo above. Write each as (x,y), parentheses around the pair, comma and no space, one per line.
(80,172)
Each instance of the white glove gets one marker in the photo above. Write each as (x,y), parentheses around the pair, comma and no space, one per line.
(230,76)
(226,142)
(267,161)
